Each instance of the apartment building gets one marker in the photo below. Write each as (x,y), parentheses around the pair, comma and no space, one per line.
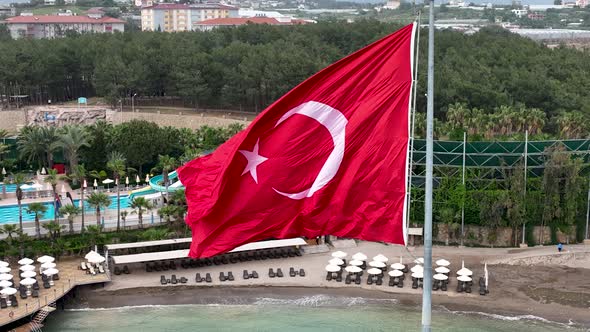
(171,17)
(53,26)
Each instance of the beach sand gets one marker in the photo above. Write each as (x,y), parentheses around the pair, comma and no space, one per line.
(522,282)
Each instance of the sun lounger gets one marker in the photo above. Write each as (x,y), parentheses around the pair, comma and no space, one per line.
(23,295)
(224,260)
(183,280)
(35,293)
(216,261)
(163,280)
(13,301)
(468,289)
(198,277)
(222,276)
(460,287)
(400,284)
(284,253)
(126,269)
(36,286)
(271,273)
(91,269)
(301,272)
(83,266)
(436,285)
(157,267)
(230,276)
(172,265)
(328,276)
(292,272)
(279,273)
(117,270)
(56,276)
(164,266)
(370,280)
(254,274)
(348,279)
(379,281)
(245,275)
(46,285)
(392,281)
(148,267)
(208,278)
(3,304)
(414,283)
(173,280)
(184,264)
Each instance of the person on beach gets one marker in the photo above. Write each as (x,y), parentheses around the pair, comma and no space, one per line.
(559,247)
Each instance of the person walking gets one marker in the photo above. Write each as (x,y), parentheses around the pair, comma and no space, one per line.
(559,247)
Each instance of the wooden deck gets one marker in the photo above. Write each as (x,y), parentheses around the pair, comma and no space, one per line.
(69,277)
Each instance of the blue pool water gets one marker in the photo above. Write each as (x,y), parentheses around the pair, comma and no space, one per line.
(9,213)
(11,188)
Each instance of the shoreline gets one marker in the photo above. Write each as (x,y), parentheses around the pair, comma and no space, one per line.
(252,295)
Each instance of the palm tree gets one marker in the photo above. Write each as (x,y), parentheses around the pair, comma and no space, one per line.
(448,216)
(37,144)
(166,164)
(54,229)
(71,211)
(123,217)
(573,125)
(19,179)
(52,178)
(79,175)
(38,209)
(98,201)
(116,163)
(139,204)
(71,140)
(9,230)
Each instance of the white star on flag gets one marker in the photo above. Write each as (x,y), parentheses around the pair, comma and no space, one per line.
(254,159)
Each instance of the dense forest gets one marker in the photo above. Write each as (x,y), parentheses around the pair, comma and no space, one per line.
(494,74)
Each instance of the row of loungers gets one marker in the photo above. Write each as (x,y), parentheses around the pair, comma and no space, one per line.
(292,273)
(13,302)
(173,280)
(125,270)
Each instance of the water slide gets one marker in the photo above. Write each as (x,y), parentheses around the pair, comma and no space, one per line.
(172,177)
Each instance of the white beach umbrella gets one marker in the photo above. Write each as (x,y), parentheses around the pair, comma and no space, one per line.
(3,263)
(96,259)
(8,291)
(48,187)
(419,260)
(3,171)
(5,269)
(464,278)
(353,269)
(443,262)
(332,268)
(48,265)
(45,258)
(28,274)
(137,179)
(485,271)
(396,273)
(359,256)
(336,261)
(6,276)
(440,276)
(418,275)
(5,283)
(43,171)
(25,186)
(339,254)
(464,271)
(26,261)
(63,189)
(417,268)
(377,264)
(95,184)
(107,181)
(442,269)
(398,266)
(28,281)
(147,178)
(381,258)
(91,253)
(50,272)
(27,268)
(37,186)
(127,180)
(356,263)
(374,271)
(85,184)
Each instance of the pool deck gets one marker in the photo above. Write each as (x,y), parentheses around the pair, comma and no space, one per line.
(70,277)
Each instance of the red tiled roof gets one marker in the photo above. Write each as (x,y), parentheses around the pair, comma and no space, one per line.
(239,21)
(166,6)
(48,19)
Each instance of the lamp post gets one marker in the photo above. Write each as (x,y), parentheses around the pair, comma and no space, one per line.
(133,102)
(120,110)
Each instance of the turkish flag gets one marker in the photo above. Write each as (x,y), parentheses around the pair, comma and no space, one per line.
(328,158)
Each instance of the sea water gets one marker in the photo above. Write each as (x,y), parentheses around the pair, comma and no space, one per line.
(310,313)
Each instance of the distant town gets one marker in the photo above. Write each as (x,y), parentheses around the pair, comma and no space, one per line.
(563,21)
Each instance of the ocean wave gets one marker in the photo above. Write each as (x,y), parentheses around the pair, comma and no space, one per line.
(321,300)
(156,306)
(531,318)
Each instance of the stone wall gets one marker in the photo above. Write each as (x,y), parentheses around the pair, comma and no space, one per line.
(11,121)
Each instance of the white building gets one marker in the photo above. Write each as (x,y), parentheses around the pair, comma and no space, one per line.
(52,26)
(520,13)
(172,17)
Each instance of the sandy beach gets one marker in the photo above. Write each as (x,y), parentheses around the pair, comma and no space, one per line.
(536,281)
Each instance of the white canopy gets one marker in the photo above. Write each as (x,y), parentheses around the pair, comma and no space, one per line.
(419,260)
(359,256)
(396,273)
(28,274)
(91,253)
(356,263)
(107,181)
(5,283)
(63,189)
(353,269)
(3,263)
(418,274)
(43,171)
(398,266)
(26,261)
(332,268)
(95,184)
(3,171)
(50,272)
(443,262)
(380,258)
(464,272)
(126,180)
(440,276)
(442,269)
(28,281)
(37,186)
(5,269)
(336,261)
(377,264)
(48,265)
(374,271)
(96,259)
(147,178)
(8,291)
(339,254)
(486,274)
(27,268)
(6,276)
(137,179)
(44,259)
(464,278)
(417,268)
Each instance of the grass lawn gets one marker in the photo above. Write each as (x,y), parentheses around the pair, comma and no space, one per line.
(52,10)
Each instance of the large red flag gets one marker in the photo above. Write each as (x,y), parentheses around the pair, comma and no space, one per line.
(328,158)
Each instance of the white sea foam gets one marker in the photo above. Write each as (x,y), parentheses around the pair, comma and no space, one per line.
(320,300)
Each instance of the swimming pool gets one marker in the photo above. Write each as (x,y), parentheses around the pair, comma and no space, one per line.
(11,188)
(9,213)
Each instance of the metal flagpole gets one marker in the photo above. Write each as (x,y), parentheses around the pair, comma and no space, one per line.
(426,294)
(588,211)
(411,155)
(463,181)
(526,157)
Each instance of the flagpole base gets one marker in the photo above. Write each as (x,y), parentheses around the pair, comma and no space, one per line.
(587,242)
(426,328)
(523,245)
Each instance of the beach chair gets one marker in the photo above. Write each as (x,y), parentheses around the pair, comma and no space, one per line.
(292,272)
(216,260)
(245,275)
(301,272)
(379,281)
(172,265)
(279,273)
(83,266)
(91,269)
(164,266)
(222,276)
(156,267)
(208,262)
(184,264)
(163,280)
(35,293)
(339,277)
(183,280)
(284,253)
(414,283)
(392,282)
(126,269)
(482,290)
(348,279)
(23,294)
(298,252)
(44,277)
(443,286)
(148,267)
(198,277)
(400,284)
(230,276)
(3,304)
(224,260)
(254,274)
(208,278)
(233,259)
(173,280)
(13,301)
(271,273)
(46,285)
(460,287)
(370,280)
(468,289)
(36,286)
(291,252)
(328,276)
(56,276)
(436,285)
(117,270)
